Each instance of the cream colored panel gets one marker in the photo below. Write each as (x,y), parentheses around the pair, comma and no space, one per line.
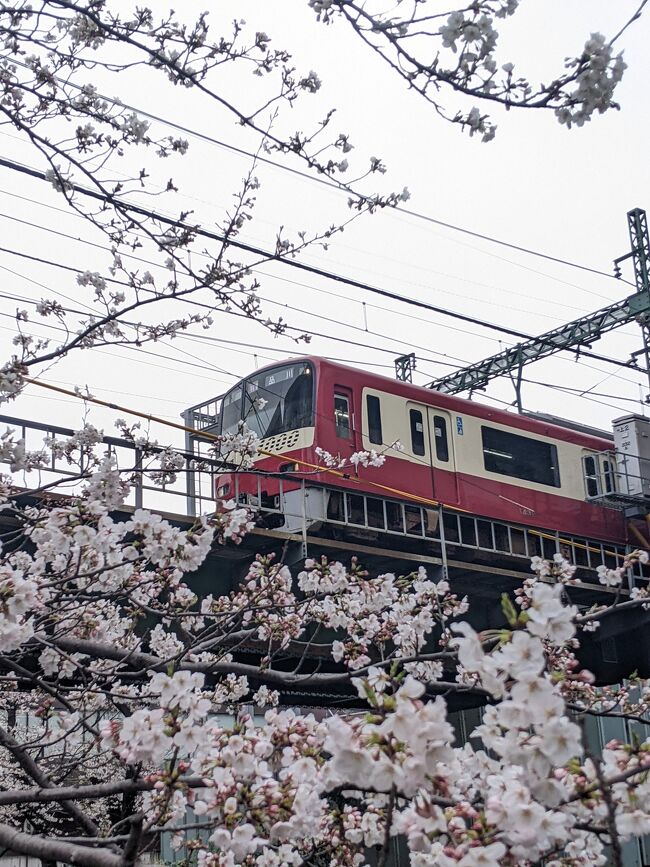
(395,426)
(468,447)
(469,455)
(302,438)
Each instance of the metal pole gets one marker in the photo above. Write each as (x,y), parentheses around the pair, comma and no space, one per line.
(138,479)
(640,243)
(520,371)
(304,519)
(190,480)
(443,544)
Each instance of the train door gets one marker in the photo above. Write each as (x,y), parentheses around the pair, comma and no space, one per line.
(443,458)
(420,478)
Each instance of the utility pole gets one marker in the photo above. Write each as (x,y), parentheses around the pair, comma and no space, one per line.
(637,223)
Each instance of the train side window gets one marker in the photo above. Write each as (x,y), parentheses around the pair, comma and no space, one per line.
(590,476)
(608,474)
(440,434)
(520,457)
(342,416)
(417,431)
(374,419)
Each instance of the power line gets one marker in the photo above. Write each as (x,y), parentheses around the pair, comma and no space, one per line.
(318,289)
(49,262)
(312,269)
(581,393)
(412,265)
(265,254)
(217,340)
(332,184)
(190,337)
(61,328)
(291,307)
(77,312)
(582,396)
(205,337)
(137,349)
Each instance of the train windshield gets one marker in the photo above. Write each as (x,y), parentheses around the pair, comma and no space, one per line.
(271,402)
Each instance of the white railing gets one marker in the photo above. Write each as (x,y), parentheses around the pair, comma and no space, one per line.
(191,493)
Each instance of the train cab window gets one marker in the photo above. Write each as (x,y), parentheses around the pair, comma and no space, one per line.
(342,416)
(274,401)
(417,431)
(520,457)
(441,440)
(374,419)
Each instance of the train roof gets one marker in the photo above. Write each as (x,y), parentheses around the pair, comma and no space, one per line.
(571,425)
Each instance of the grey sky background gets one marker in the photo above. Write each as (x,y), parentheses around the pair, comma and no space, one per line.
(565,193)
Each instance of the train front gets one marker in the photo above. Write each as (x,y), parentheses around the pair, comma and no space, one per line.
(277,405)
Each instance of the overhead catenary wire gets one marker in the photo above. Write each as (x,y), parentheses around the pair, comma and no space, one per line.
(199,337)
(327,182)
(266,348)
(540,299)
(508,405)
(193,302)
(546,276)
(500,401)
(240,343)
(258,271)
(313,288)
(192,336)
(285,279)
(581,394)
(217,340)
(60,328)
(592,354)
(269,256)
(265,254)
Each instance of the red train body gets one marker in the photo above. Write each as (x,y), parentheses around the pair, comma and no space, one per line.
(481,460)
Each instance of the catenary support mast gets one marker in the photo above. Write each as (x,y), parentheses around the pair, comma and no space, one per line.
(580,332)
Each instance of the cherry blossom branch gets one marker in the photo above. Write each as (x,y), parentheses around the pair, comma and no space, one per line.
(608,782)
(148,662)
(460,55)
(37,774)
(50,849)
(606,790)
(47,793)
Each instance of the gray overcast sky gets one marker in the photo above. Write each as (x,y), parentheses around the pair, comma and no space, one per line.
(537,185)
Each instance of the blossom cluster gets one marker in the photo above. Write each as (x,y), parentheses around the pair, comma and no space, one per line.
(364,458)
(597,73)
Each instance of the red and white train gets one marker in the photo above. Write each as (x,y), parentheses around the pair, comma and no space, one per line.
(474,458)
